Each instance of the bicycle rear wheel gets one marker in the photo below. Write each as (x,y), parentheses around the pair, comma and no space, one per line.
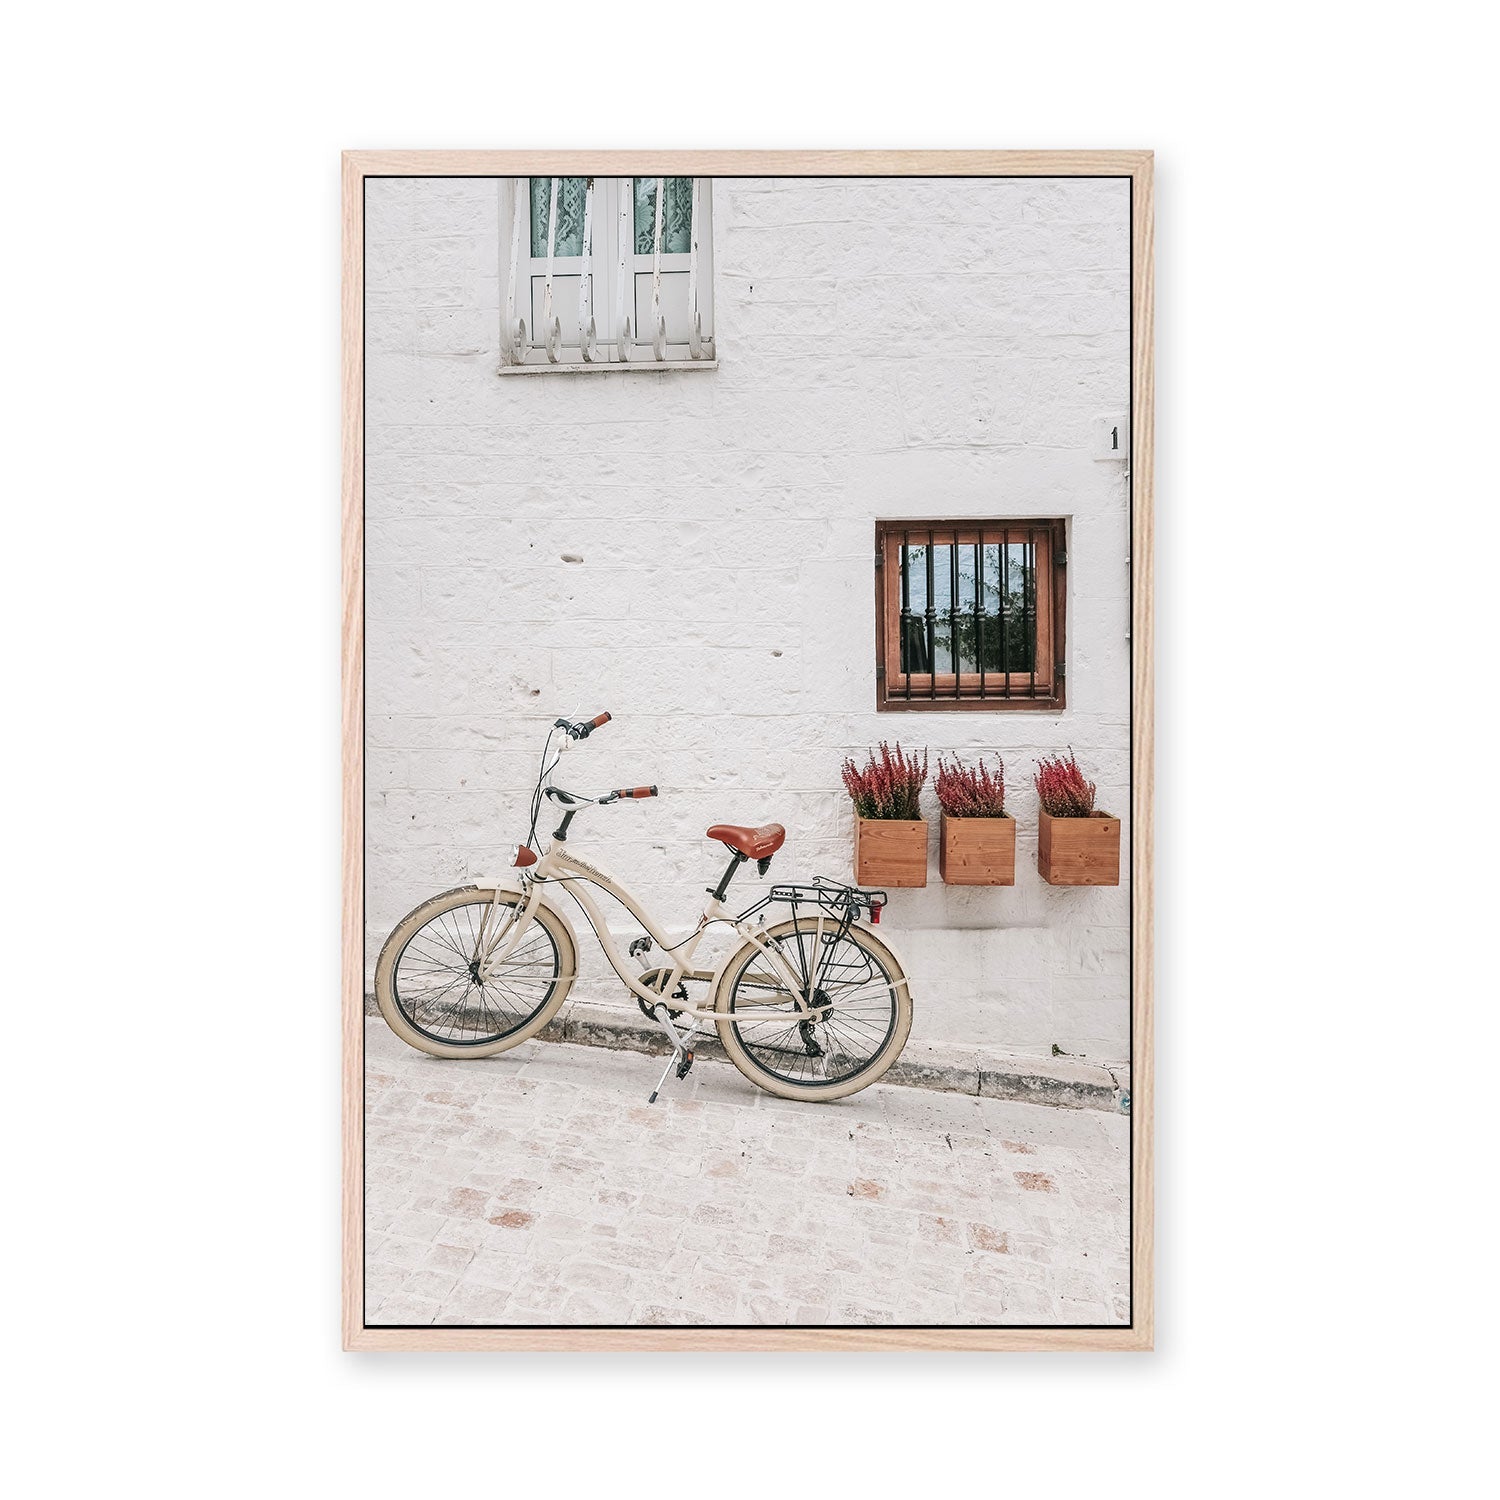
(436,993)
(864,1012)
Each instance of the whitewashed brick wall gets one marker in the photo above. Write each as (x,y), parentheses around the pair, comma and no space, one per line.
(887,349)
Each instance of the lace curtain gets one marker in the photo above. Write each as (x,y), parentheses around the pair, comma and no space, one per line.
(677,216)
(569,240)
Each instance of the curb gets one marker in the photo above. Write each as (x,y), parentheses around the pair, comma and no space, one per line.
(1065,1083)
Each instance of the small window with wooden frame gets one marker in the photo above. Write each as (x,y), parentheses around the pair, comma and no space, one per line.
(970,614)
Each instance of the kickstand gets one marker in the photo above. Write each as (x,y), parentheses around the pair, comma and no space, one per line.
(682,1055)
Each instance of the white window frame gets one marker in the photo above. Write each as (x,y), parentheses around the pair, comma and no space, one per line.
(621,322)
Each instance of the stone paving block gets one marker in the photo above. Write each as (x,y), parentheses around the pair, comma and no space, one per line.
(403,1307)
(489,1272)
(445,1259)
(585,1275)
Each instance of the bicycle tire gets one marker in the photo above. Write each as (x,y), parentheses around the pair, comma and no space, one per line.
(742,1050)
(406,1018)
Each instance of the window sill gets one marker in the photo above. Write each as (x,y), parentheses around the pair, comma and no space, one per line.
(1053,702)
(633,367)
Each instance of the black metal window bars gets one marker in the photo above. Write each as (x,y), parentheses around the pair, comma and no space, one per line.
(989,626)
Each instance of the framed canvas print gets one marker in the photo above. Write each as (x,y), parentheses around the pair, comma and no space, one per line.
(747,750)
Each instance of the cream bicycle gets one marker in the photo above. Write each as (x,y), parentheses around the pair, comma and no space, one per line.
(814,1006)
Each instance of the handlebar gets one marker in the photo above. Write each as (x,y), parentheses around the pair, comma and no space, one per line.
(583,731)
(577,799)
(573,800)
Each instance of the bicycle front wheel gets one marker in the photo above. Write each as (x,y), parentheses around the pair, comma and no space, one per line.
(863,1012)
(439,991)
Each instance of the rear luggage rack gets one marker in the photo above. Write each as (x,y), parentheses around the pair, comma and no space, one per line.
(846,902)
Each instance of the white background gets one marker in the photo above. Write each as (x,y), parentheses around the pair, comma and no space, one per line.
(1326,344)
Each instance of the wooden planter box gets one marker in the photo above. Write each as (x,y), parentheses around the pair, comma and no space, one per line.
(889,851)
(978,851)
(1079,851)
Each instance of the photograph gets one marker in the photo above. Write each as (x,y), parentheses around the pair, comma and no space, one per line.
(746,762)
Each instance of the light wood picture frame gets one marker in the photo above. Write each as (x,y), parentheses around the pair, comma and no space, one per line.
(359,167)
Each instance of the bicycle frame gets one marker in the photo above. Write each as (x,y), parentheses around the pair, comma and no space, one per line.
(558,866)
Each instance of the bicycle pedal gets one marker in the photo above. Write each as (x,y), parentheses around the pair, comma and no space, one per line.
(685,1065)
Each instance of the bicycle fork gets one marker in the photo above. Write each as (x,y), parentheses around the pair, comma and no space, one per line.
(498,938)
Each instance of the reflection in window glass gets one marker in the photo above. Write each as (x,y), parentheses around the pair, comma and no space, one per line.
(995,619)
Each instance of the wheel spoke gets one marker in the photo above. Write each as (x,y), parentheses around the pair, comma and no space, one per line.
(852,1037)
(437,991)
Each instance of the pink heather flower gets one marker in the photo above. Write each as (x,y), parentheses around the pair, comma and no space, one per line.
(889,786)
(971,792)
(1061,789)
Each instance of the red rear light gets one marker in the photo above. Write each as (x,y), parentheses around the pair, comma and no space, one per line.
(874,915)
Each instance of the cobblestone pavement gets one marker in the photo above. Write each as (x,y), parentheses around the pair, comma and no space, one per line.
(540,1187)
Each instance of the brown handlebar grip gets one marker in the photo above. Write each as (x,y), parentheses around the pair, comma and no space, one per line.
(636,791)
(600,722)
